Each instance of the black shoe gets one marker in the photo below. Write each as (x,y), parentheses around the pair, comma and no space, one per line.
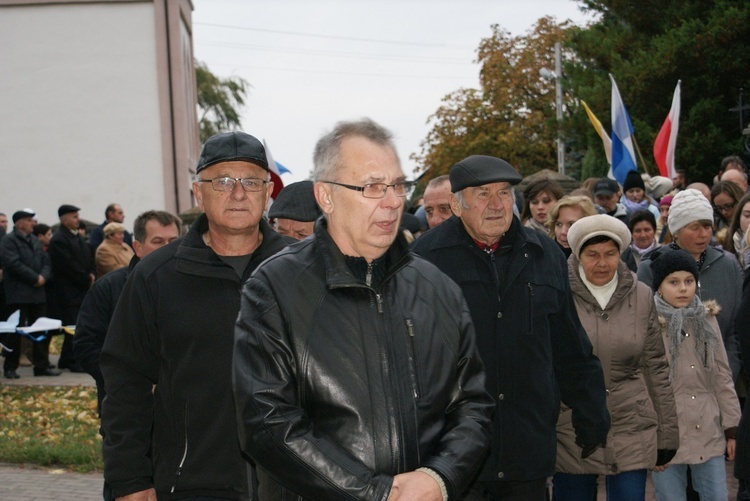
(11,374)
(46,372)
(76,367)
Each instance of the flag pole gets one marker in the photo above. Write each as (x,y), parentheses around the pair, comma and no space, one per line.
(638,151)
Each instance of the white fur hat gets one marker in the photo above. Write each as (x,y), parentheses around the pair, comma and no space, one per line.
(657,186)
(601,224)
(688,206)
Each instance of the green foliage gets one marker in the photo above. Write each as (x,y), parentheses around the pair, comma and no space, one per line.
(511,116)
(219,101)
(648,46)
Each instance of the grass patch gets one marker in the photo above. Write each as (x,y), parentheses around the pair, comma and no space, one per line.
(50,426)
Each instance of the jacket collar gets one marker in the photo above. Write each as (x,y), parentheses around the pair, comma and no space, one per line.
(452,233)
(338,273)
(201,259)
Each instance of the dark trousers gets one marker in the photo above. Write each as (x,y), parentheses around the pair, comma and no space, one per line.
(529,490)
(69,317)
(40,349)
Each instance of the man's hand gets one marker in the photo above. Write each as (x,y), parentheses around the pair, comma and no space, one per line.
(39,281)
(415,486)
(147,495)
(731,448)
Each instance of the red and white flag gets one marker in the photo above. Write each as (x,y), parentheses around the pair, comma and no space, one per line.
(664,146)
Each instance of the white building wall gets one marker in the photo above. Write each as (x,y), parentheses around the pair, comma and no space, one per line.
(79,110)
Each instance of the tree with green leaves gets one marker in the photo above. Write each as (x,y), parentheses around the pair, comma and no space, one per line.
(219,101)
(511,116)
(648,45)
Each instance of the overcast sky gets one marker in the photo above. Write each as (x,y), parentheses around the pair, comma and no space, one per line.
(313,63)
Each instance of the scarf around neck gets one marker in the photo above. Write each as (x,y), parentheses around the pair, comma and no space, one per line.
(691,318)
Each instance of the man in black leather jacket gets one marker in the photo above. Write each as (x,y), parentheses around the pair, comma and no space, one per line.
(356,374)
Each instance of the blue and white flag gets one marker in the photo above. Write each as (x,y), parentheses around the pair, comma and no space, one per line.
(623,156)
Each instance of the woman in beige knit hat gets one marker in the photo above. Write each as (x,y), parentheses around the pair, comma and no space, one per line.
(113,253)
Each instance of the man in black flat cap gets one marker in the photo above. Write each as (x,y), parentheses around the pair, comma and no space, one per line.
(72,276)
(295,210)
(534,349)
(26,269)
(173,330)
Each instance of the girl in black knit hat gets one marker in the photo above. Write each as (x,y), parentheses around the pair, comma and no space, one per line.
(708,411)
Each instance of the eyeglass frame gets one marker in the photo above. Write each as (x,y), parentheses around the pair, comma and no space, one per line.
(726,207)
(408,186)
(234,183)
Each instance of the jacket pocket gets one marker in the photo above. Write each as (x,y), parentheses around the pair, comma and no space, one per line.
(184,451)
(411,353)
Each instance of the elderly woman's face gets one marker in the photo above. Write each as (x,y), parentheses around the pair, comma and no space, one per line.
(695,237)
(643,234)
(600,261)
(118,237)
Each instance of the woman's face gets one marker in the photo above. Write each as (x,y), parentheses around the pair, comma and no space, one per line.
(643,234)
(566,216)
(695,237)
(635,195)
(664,213)
(600,261)
(745,217)
(118,237)
(678,288)
(725,205)
(540,205)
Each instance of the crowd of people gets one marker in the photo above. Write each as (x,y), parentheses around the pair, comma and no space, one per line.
(493,342)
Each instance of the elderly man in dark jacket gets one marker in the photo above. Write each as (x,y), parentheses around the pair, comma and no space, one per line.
(168,417)
(26,269)
(532,343)
(356,374)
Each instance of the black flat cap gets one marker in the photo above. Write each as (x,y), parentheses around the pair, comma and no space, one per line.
(66,209)
(478,170)
(20,214)
(296,201)
(232,146)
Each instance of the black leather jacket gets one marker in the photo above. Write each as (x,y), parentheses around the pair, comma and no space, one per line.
(340,386)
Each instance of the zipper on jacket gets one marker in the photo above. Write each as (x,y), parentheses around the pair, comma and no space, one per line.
(368,275)
(412,359)
(379,301)
(184,456)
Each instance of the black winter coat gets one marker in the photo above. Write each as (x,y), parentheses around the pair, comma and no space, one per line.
(340,386)
(72,265)
(534,349)
(174,328)
(23,259)
(93,321)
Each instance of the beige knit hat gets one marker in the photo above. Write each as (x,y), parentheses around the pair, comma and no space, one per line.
(601,224)
(112,228)
(688,206)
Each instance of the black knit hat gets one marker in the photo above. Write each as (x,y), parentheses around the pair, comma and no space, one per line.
(232,146)
(478,170)
(670,261)
(633,180)
(296,201)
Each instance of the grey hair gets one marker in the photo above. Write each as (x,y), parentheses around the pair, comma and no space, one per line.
(327,155)
(462,201)
(438,181)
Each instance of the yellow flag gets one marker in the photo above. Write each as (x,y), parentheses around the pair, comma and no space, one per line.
(602,133)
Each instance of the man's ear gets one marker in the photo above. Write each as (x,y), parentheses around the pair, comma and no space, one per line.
(455,206)
(323,197)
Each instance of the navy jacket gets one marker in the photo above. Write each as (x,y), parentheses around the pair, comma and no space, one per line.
(534,348)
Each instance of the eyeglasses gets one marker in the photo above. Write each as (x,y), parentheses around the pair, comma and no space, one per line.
(725,207)
(377,190)
(227,183)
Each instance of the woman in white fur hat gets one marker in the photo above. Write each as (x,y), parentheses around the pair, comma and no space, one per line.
(619,316)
